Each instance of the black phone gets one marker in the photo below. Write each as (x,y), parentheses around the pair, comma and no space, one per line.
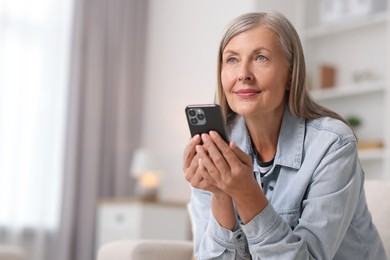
(204,118)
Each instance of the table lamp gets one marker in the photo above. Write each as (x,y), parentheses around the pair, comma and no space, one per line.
(146,169)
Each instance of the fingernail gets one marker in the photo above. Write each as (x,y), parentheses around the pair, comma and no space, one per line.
(213,134)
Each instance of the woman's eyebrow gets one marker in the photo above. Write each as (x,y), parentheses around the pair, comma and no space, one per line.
(228,51)
(261,49)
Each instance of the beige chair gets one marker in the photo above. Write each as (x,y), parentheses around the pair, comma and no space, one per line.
(146,250)
(377,194)
(8,252)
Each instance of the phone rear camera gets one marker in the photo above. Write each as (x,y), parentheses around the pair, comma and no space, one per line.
(192,112)
(196,116)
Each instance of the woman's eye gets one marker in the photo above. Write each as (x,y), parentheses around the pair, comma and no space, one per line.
(231,60)
(261,58)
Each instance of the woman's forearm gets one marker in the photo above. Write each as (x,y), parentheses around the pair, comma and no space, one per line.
(223,210)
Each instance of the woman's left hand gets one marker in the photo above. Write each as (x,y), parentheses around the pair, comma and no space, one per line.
(226,165)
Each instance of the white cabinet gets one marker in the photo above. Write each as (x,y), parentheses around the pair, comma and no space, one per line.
(358,47)
(136,219)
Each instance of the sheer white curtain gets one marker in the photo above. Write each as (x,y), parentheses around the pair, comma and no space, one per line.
(34,64)
(105,112)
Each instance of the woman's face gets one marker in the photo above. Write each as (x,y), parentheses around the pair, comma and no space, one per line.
(254,73)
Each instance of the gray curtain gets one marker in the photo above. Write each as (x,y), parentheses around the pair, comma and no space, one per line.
(104,116)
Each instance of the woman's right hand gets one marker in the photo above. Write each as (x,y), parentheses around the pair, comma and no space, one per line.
(196,174)
(193,169)
(190,161)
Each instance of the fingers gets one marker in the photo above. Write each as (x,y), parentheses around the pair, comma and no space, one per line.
(221,153)
(197,178)
(216,153)
(212,174)
(226,157)
(214,165)
(207,182)
(194,170)
(202,180)
(190,163)
(241,155)
(190,151)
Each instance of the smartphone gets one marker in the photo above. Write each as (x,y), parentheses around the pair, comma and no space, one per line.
(204,118)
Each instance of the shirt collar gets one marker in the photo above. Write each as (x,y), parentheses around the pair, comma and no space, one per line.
(290,144)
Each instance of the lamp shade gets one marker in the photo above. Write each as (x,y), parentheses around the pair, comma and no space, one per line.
(145,161)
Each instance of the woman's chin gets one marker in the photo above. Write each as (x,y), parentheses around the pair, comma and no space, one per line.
(245,110)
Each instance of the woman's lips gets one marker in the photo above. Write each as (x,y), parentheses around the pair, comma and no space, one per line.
(246,93)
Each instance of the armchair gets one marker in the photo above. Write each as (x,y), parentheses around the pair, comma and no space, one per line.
(8,252)
(377,195)
(146,250)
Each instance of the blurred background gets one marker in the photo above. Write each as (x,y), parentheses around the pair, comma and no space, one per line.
(92,98)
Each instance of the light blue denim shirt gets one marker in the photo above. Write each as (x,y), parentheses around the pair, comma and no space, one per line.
(317,207)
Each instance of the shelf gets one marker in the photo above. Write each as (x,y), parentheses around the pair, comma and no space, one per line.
(371,154)
(353,45)
(348,90)
(343,26)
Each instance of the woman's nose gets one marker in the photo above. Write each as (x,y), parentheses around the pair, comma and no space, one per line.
(245,77)
(245,73)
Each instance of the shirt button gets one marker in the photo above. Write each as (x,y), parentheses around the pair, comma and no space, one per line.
(238,236)
(271,188)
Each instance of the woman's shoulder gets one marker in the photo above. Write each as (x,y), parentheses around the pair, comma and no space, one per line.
(328,126)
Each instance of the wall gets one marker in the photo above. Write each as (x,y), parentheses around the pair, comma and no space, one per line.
(183,38)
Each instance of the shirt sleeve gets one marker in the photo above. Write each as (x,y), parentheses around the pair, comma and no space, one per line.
(211,241)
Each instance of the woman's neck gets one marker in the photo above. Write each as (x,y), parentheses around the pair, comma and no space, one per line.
(264,132)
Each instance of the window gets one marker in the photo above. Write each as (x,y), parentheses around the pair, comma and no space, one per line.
(34,70)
